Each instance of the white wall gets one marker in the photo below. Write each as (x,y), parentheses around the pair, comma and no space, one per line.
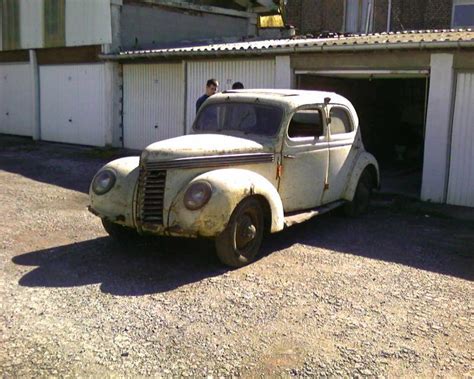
(153,103)
(435,163)
(16,108)
(74,107)
(461,172)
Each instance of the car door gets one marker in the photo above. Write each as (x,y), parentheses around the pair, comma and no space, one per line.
(342,153)
(304,161)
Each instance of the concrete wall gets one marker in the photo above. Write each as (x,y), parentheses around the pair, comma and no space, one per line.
(405,60)
(143,26)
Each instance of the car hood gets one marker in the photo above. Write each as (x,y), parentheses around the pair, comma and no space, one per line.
(197,145)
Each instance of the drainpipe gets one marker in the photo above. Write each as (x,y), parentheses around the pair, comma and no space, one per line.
(389,16)
(36,122)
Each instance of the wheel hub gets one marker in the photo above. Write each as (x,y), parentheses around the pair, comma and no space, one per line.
(246,231)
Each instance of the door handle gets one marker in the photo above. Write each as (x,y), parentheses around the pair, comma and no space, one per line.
(289,156)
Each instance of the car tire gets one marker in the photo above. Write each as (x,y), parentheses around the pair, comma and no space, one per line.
(360,204)
(119,233)
(239,243)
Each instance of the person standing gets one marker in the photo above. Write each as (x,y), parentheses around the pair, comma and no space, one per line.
(211,89)
(237,85)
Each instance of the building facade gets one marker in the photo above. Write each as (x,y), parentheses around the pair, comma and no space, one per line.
(377,16)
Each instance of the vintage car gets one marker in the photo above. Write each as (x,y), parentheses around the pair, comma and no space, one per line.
(256,161)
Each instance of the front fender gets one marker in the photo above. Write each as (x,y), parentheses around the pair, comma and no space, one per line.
(117,204)
(229,188)
(364,160)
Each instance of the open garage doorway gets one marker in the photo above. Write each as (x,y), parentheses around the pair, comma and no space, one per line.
(392,114)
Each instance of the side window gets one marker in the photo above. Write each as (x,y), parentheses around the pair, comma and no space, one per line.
(306,123)
(340,121)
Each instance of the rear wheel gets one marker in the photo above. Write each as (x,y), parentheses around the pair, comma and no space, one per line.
(240,241)
(120,233)
(360,204)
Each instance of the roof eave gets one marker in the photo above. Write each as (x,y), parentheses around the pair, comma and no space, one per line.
(460,44)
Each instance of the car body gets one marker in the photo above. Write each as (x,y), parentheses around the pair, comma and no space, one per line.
(257,161)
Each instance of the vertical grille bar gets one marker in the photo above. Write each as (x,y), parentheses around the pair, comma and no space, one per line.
(151,196)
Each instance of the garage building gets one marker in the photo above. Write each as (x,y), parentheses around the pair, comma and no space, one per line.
(413,92)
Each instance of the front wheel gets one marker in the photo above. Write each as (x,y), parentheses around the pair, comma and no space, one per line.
(240,241)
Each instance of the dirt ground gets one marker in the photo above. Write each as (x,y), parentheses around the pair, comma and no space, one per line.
(388,294)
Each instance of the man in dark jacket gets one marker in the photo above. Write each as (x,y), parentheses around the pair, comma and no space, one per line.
(211,89)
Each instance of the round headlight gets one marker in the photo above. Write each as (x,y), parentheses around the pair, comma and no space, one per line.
(197,195)
(103,182)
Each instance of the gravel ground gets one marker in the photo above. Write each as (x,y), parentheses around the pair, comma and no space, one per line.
(386,294)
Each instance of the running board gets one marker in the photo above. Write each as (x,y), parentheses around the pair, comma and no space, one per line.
(298,217)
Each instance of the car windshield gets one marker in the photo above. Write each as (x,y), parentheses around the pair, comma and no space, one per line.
(249,118)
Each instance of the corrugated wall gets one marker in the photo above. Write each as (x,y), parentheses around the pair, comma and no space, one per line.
(461,173)
(153,101)
(258,73)
(16,99)
(73,104)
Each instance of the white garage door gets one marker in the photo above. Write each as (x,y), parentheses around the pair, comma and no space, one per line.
(16,99)
(461,172)
(73,104)
(153,110)
(258,73)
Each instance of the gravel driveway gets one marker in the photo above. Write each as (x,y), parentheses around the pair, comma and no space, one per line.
(387,294)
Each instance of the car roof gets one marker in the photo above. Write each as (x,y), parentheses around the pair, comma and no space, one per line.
(291,96)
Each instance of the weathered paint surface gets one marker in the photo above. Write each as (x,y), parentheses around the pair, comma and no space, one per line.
(240,166)
(117,204)
(230,187)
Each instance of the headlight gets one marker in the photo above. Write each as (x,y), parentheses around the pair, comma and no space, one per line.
(103,182)
(197,195)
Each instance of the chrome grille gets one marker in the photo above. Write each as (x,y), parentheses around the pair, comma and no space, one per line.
(151,196)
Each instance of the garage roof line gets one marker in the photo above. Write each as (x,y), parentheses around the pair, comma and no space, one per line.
(385,41)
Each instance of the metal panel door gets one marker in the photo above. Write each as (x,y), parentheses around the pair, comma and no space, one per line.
(461,172)
(257,73)
(153,103)
(73,104)
(16,99)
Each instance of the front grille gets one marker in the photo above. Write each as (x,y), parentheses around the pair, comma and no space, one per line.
(151,195)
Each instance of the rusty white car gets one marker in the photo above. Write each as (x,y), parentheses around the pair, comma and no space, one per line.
(256,161)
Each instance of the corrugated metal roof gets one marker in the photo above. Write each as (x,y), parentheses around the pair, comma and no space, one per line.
(411,39)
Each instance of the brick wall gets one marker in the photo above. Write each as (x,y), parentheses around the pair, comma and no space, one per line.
(421,14)
(316,16)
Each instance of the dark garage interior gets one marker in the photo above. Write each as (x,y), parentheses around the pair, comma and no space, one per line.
(392,119)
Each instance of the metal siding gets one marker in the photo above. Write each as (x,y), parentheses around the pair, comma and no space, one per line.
(16,107)
(31,23)
(153,96)
(461,173)
(73,104)
(88,22)
(252,73)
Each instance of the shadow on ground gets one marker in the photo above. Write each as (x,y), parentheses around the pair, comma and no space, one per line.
(441,246)
(63,165)
(148,267)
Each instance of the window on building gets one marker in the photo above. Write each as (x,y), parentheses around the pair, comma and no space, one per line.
(359,16)
(54,23)
(10,11)
(463,13)
(306,123)
(340,121)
